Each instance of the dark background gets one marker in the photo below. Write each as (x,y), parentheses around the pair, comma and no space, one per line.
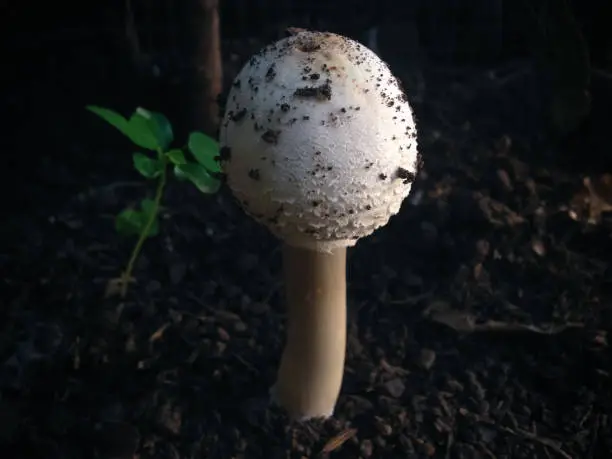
(181,367)
(59,57)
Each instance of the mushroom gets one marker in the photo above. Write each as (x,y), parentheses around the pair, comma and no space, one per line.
(318,143)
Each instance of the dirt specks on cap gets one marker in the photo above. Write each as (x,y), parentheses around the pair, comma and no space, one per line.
(405,175)
(255,174)
(271,73)
(270,136)
(321,92)
(238,116)
(309,43)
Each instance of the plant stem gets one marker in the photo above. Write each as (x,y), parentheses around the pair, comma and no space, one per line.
(127,274)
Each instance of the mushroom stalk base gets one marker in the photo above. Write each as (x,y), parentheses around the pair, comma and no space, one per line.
(312,364)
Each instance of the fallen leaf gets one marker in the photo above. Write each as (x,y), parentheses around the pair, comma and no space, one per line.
(336,442)
(159,332)
(462,321)
(538,247)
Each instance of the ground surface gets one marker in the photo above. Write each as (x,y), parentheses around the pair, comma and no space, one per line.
(478,317)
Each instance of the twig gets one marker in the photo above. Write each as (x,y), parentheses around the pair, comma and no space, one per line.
(537,439)
(464,322)
(412,299)
(487,451)
(518,432)
(591,452)
(450,440)
(106,188)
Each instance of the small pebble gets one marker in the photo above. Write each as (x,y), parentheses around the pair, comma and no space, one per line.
(220,348)
(395,387)
(223,334)
(427,358)
(504,179)
(428,449)
(383,427)
(366,448)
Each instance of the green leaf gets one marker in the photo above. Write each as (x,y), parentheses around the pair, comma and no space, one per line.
(111,117)
(138,128)
(129,222)
(158,126)
(205,150)
(132,222)
(199,176)
(146,129)
(148,206)
(141,133)
(148,167)
(176,157)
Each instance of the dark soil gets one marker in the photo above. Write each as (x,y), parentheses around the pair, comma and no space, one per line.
(479,316)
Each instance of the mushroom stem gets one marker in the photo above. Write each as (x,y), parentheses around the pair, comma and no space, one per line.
(312,365)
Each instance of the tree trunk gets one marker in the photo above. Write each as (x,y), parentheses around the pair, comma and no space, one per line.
(209,75)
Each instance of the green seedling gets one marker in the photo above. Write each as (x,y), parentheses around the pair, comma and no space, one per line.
(153,132)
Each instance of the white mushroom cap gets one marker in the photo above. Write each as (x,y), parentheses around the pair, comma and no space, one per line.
(318,140)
